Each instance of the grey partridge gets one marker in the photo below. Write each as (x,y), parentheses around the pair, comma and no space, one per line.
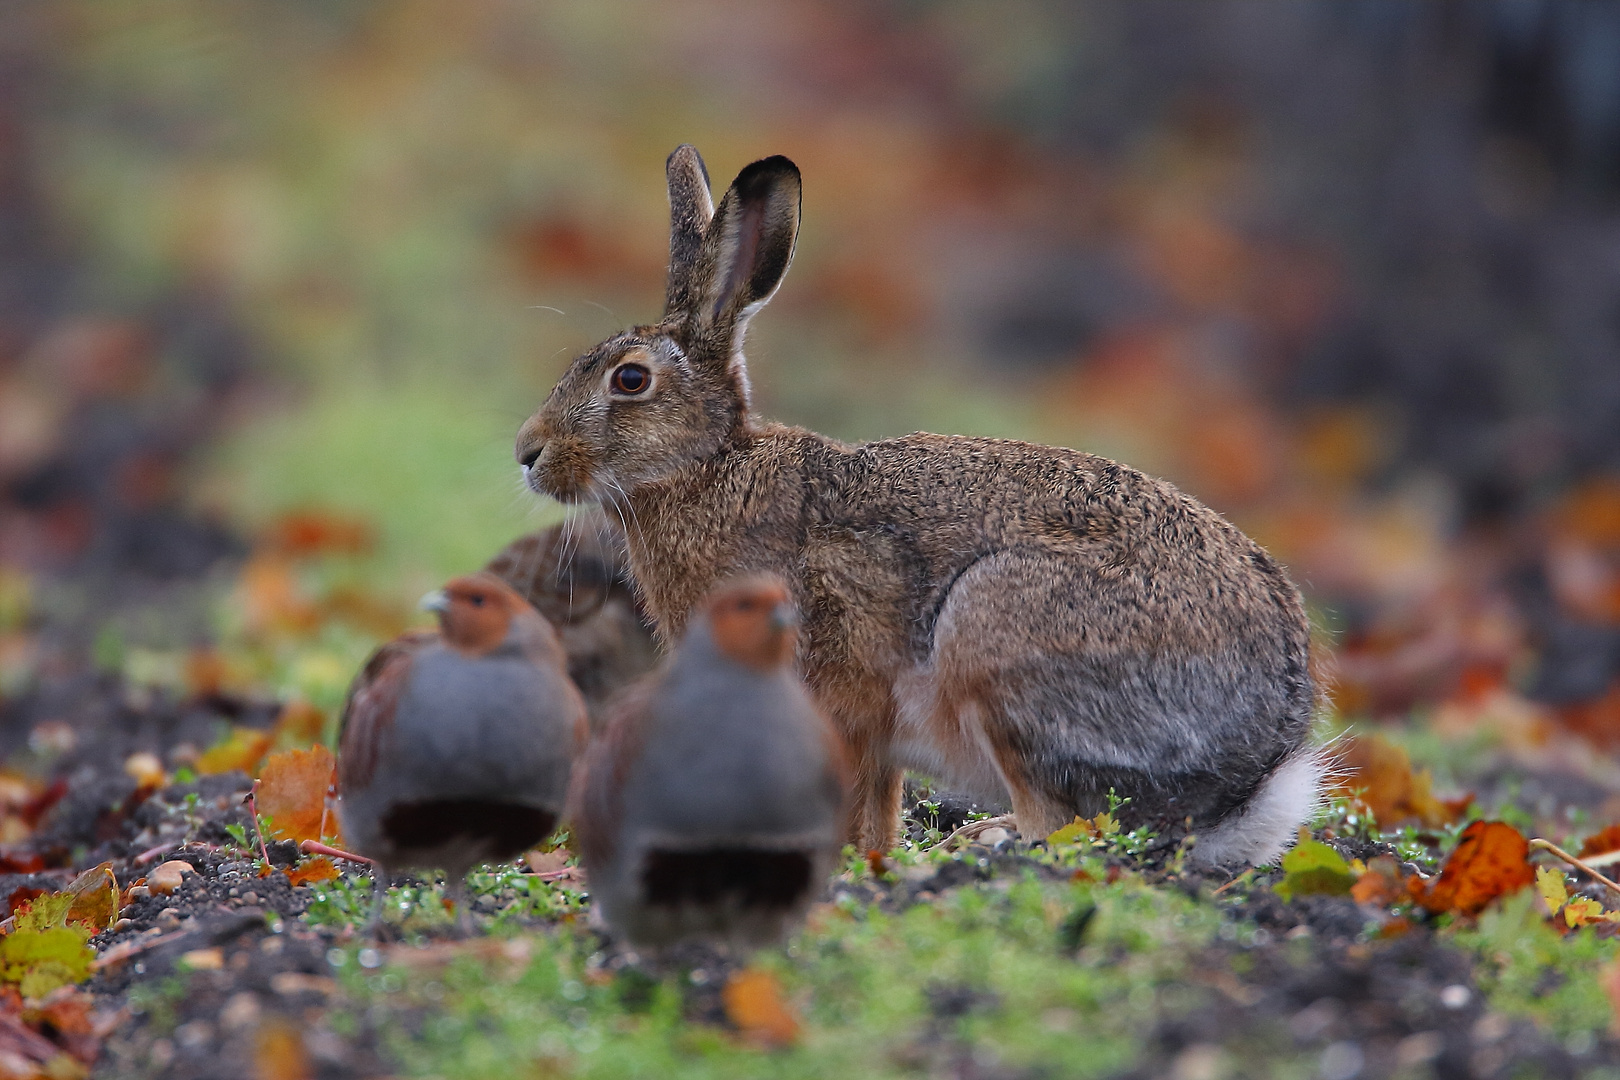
(456,746)
(712,804)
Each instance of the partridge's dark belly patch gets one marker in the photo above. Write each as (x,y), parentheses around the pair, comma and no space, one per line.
(508,828)
(747,877)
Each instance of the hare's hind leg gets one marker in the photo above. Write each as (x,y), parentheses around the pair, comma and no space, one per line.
(1072,684)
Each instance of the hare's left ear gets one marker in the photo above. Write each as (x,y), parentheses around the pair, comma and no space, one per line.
(690,208)
(745,251)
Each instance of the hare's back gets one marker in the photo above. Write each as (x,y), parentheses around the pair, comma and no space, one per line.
(958,499)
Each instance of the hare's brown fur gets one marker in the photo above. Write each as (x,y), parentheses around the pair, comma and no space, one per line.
(1019,620)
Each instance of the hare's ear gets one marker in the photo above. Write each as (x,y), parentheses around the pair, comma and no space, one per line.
(747,247)
(690,208)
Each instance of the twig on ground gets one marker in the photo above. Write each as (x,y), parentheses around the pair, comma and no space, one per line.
(253,808)
(1553,849)
(315,847)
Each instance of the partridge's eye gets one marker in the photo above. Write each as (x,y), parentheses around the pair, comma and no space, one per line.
(476,599)
(631,379)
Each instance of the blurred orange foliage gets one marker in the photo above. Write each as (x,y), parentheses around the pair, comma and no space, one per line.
(753,1002)
(242,748)
(1378,775)
(303,533)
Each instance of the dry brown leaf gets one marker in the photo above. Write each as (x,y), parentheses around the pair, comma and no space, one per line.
(547,862)
(292,792)
(310,871)
(1491,860)
(242,750)
(95,898)
(272,598)
(1378,774)
(753,1002)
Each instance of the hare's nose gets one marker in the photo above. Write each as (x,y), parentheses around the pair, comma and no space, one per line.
(529,444)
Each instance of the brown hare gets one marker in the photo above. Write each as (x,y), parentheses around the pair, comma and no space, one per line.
(1024,622)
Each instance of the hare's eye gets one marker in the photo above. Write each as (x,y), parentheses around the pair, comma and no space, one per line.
(631,379)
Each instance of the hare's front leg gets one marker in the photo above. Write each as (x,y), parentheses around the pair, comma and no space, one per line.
(861,710)
(874,813)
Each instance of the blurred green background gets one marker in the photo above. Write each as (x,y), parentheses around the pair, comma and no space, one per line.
(1344,270)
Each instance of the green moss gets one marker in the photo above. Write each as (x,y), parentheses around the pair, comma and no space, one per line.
(867,984)
(1529,969)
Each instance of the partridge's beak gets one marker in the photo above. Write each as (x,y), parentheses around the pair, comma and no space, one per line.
(783,616)
(437,600)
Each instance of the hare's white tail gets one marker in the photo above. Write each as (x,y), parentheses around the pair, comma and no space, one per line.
(1268,823)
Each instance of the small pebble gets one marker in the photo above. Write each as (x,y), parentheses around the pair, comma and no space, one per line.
(1455,996)
(250,897)
(161,1056)
(1341,1061)
(233,891)
(241,1011)
(195,1034)
(1415,1050)
(145,768)
(169,876)
(121,925)
(139,892)
(169,919)
(203,959)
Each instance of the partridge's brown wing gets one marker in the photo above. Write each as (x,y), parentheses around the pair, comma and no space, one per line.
(596,797)
(369,709)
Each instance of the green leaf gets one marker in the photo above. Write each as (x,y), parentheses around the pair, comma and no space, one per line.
(1550,884)
(1313,868)
(45,912)
(1075,831)
(39,961)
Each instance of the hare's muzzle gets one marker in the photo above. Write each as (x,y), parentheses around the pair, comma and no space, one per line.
(559,466)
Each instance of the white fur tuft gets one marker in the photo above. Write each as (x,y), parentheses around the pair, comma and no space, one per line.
(1268,823)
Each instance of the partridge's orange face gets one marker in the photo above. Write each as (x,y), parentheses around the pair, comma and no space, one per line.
(753,623)
(475,612)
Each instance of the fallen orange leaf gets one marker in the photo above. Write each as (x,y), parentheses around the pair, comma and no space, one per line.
(1383,885)
(1601,842)
(292,792)
(753,1002)
(279,1053)
(310,871)
(1491,860)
